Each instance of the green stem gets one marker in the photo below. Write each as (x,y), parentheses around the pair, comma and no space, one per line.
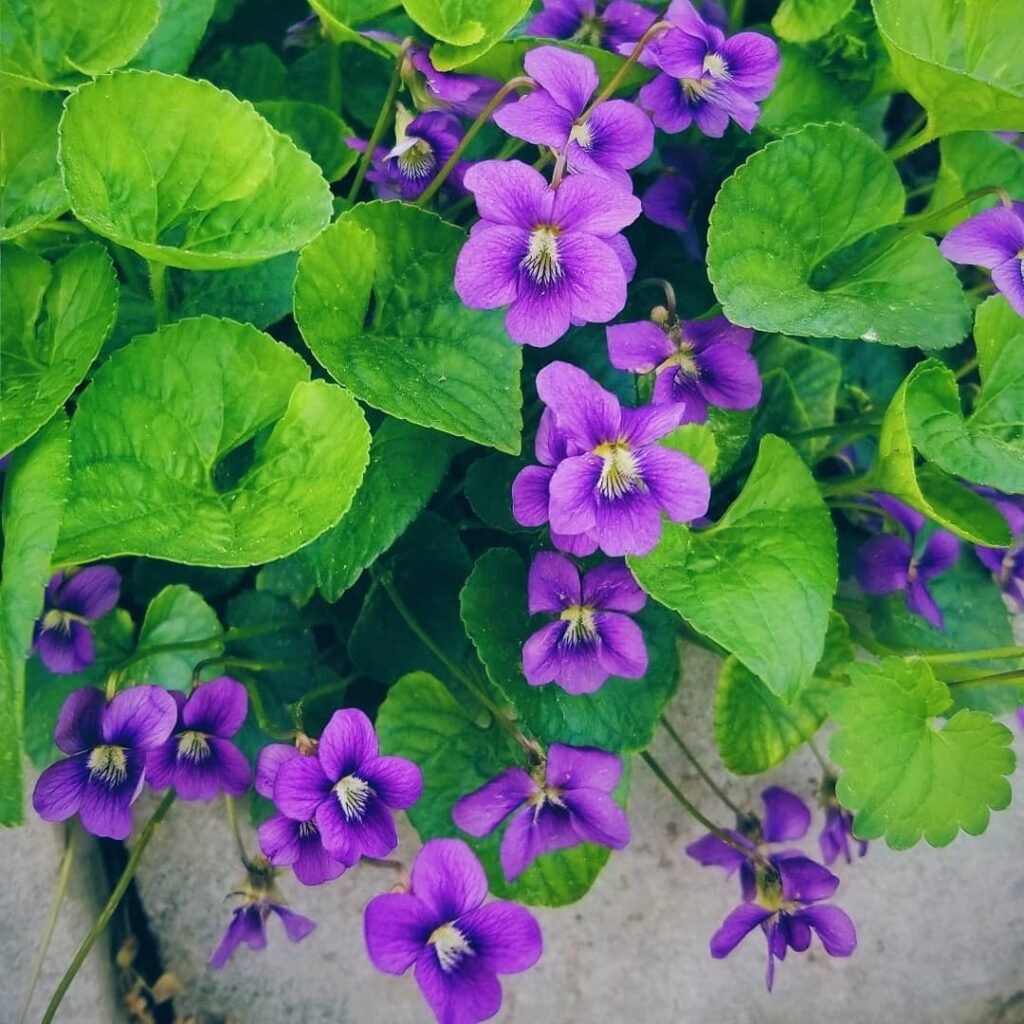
(737,14)
(917,220)
(51,923)
(620,76)
(298,707)
(994,678)
(701,770)
(912,129)
(382,122)
(986,654)
(112,904)
(260,713)
(521,82)
(256,666)
(158,288)
(909,144)
(232,812)
(819,757)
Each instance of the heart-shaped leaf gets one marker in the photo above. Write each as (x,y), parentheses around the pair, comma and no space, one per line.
(467,29)
(173,43)
(206,443)
(342,20)
(800,21)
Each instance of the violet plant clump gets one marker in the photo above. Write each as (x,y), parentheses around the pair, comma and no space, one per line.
(391,404)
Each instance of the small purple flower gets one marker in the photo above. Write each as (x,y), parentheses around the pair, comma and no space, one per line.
(422,146)
(249,920)
(287,842)
(837,832)
(786,818)
(613,480)
(555,257)
(890,563)
(570,803)
(349,789)
(461,94)
(1007,564)
(591,639)
(63,634)
(697,362)
(667,201)
(705,77)
(458,945)
(993,239)
(199,760)
(788,908)
(611,25)
(107,744)
(614,138)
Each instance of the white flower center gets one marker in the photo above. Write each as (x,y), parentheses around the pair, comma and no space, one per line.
(542,261)
(581,624)
(582,135)
(451,946)
(193,746)
(697,89)
(716,67)
(352,793)
(307,829)
(108,764)
(57,619)
(620,473)
(418,160)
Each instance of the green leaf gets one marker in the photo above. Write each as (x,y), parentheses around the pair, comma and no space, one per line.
(259,295)
(621,716)
(35,489)
(186,174)
(902,777)
(51,44)
(375,303)
(31,190)
(995,324)
(206,443)
(696,440)
(796,246)
(253,73)
(407,463)
(467,29)
(176,615)
(315,130)
(489,490)
(755,730)
(800,21)
(960,59)
(420,720)
(760,581)
(56,319)
(177,36)
(340,18)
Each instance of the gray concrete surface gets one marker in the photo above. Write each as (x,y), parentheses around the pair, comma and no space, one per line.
(941,931)
(31,862)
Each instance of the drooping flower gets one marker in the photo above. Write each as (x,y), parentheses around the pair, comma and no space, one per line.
(697,362)
(1007,564)
(614,480)
(461,94)
(287,842)
(349,789)
(593,637)
(890,562)
(786,819)
(610,25)
(615,137)
(107,746)
(567,801)
(456,944)
(422,146)
(706,78)
(788,907)
(555,257)
(260,899)
(199,760)
(63,634)
(837,833)
(993,239)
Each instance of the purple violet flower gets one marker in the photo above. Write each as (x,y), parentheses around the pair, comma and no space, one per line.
(697,362)
(249,920)
(613,481)
(349,789)
(555,257)
(63,633)
(422,147)
(284,841)
(786,818)
(199,760)
(889,563)
(458,944)
(614,138)
(610,25)
(107,744)
(705,77)
(564,803)
(461,94)
(591,639)
(668,199)
(1006,564)
(788,908)
(993,239)
(837,833)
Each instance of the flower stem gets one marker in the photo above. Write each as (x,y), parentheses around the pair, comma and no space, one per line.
(666,287)
(51,923)
(520,82)
(986,654)
(158,289)
(909,144)
(819,757)
(298,707)
(701,770)
(232,812)
(382,122)
(995,678)
(111,906)
(620,76)
(917,220)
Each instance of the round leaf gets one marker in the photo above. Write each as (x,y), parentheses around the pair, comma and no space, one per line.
(467,29)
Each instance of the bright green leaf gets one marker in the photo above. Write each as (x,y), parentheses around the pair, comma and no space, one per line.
(995,324)
(800,21)
(340,18)
(259,295)
(467,29)
(176,37)
(374,301)
(315,130)
(905,779)
(760,581)
(206,443)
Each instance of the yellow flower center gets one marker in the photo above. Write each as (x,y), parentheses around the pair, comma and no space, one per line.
(108,764)
(57,619)
(620,473)
(418,160)
(193,746)
(697,88)
(450,944)
(542,261)
(581,624)
(352,793)
(716,67)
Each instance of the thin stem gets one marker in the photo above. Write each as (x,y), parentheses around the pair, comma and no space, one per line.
(298,707)
(965,200)
(620,76)
(561,164)
(819,757)
(737,14)
(112,904)
(252,665)
(666,287)
(520,82)
(232,811)
(382,122)
(995,678)
(262,720)
(986,654)
(51,922)
(158,288)
(908,145)
(701,770)
(913,129)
